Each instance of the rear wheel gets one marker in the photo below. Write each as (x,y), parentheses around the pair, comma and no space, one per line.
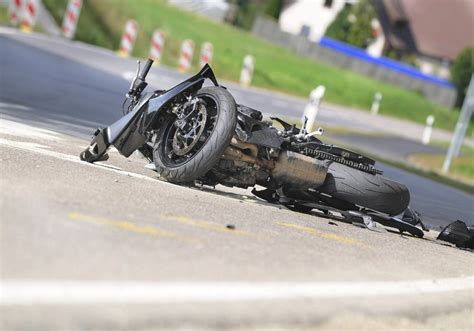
(189,148)
(366,190)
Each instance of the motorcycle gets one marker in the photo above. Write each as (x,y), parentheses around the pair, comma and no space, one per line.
(195,134)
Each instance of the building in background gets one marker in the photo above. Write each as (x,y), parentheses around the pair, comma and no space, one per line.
(428,34)
(309,18)
(433,31)
(377,46)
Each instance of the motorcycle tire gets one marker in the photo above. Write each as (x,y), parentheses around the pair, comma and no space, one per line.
(209,153)
(365,190)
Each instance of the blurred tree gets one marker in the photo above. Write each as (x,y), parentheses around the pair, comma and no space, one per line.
(353,24)
(360,33)
(273,8)
(339,28)
(461,72)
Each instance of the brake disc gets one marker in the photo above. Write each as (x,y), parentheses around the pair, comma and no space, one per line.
(185,139)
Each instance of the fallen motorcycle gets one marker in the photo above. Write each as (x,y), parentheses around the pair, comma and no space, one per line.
(195,134)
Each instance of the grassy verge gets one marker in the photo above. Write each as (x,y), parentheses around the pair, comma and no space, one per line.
(5,21)
(102,23)
(465,149)
(436,176)
(91,27)
(3,16)
(462,167)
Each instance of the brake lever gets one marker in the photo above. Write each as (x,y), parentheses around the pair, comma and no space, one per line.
(132,85)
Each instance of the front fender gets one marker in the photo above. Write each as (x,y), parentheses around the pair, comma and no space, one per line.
(117,129)
(129,132)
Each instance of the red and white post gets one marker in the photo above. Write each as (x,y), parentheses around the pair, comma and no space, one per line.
(247,70)
(29,14)
(207,51)
(14,11)
(186,57)
(128,38)
(157,44)
(71,17)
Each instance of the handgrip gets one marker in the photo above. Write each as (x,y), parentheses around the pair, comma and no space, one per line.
(146,68)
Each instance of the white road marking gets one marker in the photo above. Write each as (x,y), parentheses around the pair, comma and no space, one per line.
(37,148)
(40,149)
(27,131)
(16,292)
(6,106)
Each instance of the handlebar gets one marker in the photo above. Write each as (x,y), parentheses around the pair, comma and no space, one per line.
(139,83)
(145,70)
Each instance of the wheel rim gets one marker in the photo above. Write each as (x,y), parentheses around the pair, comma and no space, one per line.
(183,140)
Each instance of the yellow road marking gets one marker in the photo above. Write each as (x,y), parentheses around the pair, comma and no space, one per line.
(216,227)
(325,235)
(128,226)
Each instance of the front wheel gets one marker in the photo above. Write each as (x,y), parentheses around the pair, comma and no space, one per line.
(189,148)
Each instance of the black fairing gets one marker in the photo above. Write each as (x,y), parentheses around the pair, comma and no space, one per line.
(251,129)
(128,133)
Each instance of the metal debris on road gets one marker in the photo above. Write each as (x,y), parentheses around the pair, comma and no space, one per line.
(459,234)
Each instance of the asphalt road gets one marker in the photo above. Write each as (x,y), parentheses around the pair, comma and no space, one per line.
(108,246)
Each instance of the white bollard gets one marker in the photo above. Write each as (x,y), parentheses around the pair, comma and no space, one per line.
(157,44)
(428,130)
(71,17)
(14,11)
(207,51)
(128,38)
(247,70)
(374,110)
(29,13)
(312,108)
(186,57)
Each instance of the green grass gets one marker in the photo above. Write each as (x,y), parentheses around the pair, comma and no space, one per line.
(102,23)
(5,21)
(3,16)
(465,149)
(462,167)
(91,27)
